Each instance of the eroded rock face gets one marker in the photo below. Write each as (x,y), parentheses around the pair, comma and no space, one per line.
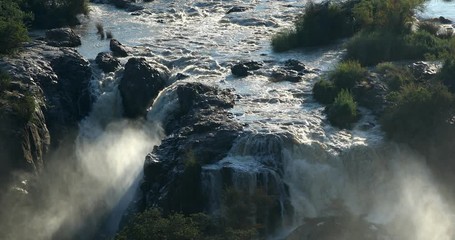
(62,37)
(56,80)
(201,131)
(139,86)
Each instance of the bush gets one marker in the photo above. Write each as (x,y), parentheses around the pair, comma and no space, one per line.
(152,225)
(429,27)
(347,74)
(371,48)
(386,15)
(343,112)
(320,24)
(447,74)
(324,92)
(12,28)
(55,13)
(394,76)
(417,111)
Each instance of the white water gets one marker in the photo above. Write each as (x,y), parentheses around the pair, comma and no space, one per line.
(321,165)
(324,167)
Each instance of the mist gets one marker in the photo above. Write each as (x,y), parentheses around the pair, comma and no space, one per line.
(84,180)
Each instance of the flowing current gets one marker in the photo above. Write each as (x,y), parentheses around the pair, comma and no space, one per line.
(321,165)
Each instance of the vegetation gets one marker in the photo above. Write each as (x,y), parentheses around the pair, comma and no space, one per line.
(416,112)
(395,76)
(347,74)
(12,27)
(447,73)
(18,103)
(321,23)
(16,15)
(343,112)
(324,91)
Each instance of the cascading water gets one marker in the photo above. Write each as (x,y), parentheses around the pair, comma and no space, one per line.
(288,150)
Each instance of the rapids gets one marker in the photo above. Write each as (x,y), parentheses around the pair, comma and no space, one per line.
(321,165)
(312,166)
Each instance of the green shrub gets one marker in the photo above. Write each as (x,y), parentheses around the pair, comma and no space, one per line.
(371,48)
(12,28)
(284,40)
(417,111)
(55,13)
(386,15)
(343,112)
(152,225)
(395,76)
(429,27)
(347,74)
(320,24)
(324,91)
(447,74)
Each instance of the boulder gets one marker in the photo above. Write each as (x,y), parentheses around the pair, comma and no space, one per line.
(62,37)
(117,48)
(296,65)
(139,86)
(280,75)
(243,69)
(107,62)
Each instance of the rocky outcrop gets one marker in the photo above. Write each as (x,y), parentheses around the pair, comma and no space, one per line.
(62,37)
(340,228)
(118,49)
(48,95)
(372,94)
(201,131)
(139,86)
(107,62)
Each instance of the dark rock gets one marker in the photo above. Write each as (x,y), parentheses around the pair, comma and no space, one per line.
(139,86)
(280,75)
(117,48)
(243,69)
(372,94)
(107,62)
(181,76)
(133,8)
(201,131)
(122,4)
(341,228)
(444,20)
(62,37)
(57,81)
(296,65)
(237,9)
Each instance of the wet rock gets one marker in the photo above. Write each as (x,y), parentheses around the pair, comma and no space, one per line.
(107,62)
(243,69)
(54,82)
(201,131)
(340,228)
(237,9)
(280,75)
(371,94)
(62,37)
(296,65)
(122,4)
(423,70)
(117,48)
(139,86)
